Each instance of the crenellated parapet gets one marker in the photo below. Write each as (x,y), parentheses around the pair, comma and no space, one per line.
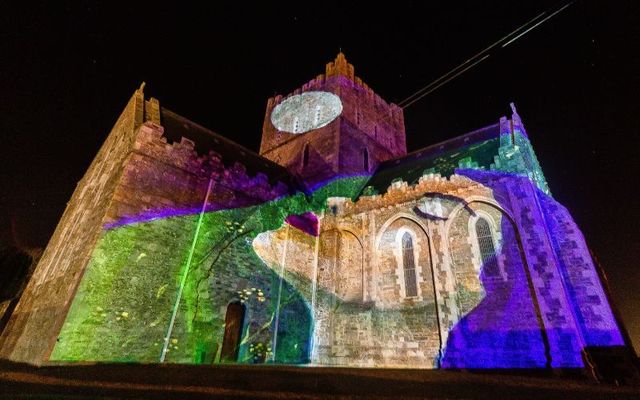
(342,72)
(365,131)
(257,186)
(182,155)
(402,192)
(151,142)
(162,177)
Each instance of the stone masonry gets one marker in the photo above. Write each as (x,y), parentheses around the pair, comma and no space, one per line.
(338,247)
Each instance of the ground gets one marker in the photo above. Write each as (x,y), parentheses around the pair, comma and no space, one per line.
(172,381)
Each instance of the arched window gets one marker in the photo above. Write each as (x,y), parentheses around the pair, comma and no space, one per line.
(305,156)
(365,159)
(487,249)
(233,325)
(409,265)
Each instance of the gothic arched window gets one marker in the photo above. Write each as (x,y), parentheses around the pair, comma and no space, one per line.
(305,155)
(487,249)
(409,266)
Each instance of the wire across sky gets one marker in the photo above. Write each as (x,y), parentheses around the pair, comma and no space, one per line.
(485,53)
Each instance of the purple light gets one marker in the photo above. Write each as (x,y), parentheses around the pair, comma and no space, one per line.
(307,222)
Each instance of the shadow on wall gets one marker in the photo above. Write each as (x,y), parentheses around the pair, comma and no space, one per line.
(503,330)
(507,329)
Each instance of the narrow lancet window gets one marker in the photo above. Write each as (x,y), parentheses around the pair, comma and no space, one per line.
(305,156)
(365,159)
(408,259)
(487,248)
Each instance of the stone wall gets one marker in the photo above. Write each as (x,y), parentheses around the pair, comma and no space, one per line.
(581,281)
(159,260)
(366,122)
(32,330)
(557,317)
(362,313)
(513,310)
(158,239)
(137,176)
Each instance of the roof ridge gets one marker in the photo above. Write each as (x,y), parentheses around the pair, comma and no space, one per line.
(420,151)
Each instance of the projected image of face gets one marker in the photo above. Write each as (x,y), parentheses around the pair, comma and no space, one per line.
(305,112)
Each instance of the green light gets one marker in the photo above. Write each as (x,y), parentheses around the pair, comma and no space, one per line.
(186,272)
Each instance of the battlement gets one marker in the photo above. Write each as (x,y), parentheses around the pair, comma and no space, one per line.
(171,162)
(401,192)
(342,72)
(182,155)
(319,83)
(177,141)
(366,131)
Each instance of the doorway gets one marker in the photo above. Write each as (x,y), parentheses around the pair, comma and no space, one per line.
(233,324)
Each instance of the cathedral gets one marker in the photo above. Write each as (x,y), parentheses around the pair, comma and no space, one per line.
(332,246)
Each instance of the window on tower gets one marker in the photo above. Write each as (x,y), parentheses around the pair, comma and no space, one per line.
(305,156)
(365,159)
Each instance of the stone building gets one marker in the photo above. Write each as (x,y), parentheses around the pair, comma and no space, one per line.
(333,246)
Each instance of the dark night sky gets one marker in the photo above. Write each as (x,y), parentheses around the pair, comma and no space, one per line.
(66,72)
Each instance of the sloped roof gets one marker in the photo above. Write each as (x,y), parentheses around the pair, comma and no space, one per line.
(480,145)
(205,140)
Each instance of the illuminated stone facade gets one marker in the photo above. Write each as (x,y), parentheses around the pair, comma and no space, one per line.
(374,319)
(337,149)
(332,247)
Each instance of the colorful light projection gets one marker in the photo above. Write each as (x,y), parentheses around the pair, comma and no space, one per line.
(125,300)
(480,270)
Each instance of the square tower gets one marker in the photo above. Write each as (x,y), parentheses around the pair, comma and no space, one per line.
(334,125)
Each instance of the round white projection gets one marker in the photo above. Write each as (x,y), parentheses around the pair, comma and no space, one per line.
(306,111)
